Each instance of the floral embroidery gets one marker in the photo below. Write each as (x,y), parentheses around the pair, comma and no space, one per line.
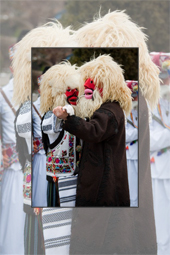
(49,168)
(27,182)
(57,160)
(37,145)
(78,148)
(71,148)
(27,192)
(28,178)
(49,159)
(71,160)
(71,152)
(63,160)
(71,138)
(58,169)
(10,153)
(60,165)
(64,153)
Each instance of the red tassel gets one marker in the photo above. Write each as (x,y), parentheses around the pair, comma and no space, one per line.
(152,160)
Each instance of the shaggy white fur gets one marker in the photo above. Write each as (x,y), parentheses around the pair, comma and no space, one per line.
(52,34)
(116,29)
(106,74)
(54,84)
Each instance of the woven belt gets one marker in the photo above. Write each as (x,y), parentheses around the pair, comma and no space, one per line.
(127,147)
(10,155)
(160,152)
(37,145)
(27,183)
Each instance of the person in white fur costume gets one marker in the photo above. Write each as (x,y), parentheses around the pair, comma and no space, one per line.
(51,34)
(102,176)
(116,29)
(135,227)
(59,86)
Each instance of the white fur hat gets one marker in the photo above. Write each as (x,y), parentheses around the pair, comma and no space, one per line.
(55,82)
(116,29)
(52,34)
(108,76)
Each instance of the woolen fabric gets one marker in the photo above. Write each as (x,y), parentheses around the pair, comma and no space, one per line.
(102,177)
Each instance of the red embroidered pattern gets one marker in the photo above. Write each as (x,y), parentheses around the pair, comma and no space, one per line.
(65,164)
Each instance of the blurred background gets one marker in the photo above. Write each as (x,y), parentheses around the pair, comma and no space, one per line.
(46,57)
(16,16)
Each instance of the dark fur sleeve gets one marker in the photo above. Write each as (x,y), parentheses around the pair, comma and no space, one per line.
(100,127)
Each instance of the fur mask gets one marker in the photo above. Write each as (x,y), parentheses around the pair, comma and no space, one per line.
(103,81)
(59,86)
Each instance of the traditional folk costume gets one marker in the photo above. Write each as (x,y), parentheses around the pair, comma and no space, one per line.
(135,227)
(60,164)
(50,35)
(60,84)
(12,217)
(160,162)
(57,222)
(33,236)
(57,230)
(39,184)
(102,177)
(132,156)
(132,147)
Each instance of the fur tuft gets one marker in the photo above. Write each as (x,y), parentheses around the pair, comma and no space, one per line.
(107,74)
(55,83)
(116,29)
(52,34)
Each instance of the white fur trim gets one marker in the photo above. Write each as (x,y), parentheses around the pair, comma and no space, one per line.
(69,109)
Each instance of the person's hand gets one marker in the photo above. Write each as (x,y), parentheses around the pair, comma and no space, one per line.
(60,113)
